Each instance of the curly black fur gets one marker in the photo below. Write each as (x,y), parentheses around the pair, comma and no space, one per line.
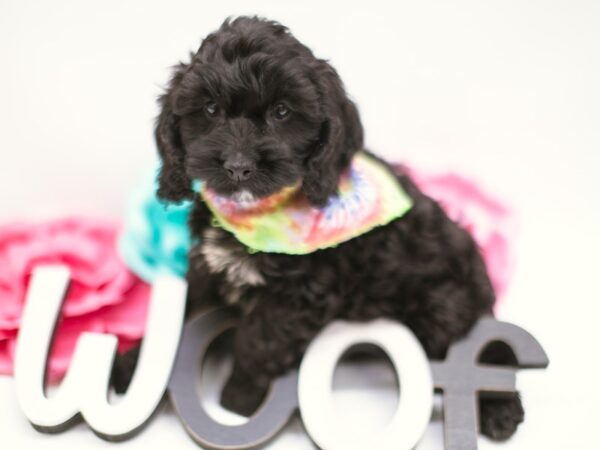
(222,108)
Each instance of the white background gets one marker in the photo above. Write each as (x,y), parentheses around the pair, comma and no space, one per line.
(507,92)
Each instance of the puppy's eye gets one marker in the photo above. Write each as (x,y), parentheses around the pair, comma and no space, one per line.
(211,109)
(281,111)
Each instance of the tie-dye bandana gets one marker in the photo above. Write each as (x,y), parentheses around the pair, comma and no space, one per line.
(369,196)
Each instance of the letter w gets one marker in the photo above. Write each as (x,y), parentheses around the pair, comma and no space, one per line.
(85,387)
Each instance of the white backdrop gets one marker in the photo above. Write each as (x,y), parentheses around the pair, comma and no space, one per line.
(506,92)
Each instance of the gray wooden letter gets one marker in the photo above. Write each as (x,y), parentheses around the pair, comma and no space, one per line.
(271,417)
(462,378)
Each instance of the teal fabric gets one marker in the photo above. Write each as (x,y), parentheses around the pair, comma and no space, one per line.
(155,239)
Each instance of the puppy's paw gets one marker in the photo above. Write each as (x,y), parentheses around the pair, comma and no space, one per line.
(499,418)
(123,368)
(241,397)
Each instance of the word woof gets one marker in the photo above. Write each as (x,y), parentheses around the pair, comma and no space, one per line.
(169,359)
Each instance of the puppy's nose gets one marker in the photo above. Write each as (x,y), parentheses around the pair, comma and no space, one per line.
(239,169)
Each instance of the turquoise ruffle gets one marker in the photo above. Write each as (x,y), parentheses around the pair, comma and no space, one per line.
(155,239)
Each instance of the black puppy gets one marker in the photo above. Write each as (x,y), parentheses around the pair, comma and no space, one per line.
(253,112)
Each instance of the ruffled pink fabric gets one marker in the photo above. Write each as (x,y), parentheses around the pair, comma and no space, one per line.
(490,222)
(104,296)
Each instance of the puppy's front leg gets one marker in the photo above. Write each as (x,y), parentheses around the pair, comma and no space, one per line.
(500,417)
(445,314)
(268,342)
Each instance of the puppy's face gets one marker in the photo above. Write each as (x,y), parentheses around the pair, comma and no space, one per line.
(250,116)
(253,112)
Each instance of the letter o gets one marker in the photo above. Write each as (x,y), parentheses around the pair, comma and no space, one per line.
(264,424)
(412,368)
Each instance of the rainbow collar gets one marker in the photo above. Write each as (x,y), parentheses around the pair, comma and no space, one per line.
(369,196)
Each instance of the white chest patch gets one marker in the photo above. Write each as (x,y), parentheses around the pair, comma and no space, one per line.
(233,261)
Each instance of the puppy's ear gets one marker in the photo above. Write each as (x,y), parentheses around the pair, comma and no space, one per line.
(173,182)
(340,137)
